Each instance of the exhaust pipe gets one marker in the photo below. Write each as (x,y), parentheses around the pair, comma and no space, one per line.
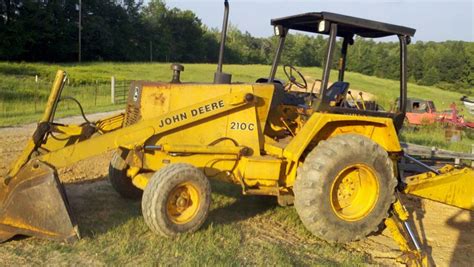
(221,77)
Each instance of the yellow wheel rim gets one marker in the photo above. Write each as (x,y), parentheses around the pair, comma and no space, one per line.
(354,192)
(183,203)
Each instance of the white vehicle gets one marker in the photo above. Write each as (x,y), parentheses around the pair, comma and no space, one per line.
(469,104)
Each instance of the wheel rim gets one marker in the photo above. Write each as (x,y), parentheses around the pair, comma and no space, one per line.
(183,203)
(354,192)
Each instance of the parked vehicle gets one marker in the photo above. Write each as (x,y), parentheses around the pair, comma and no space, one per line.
(469,104)
(424,112)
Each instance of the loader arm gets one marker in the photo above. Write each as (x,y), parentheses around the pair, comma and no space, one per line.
(32,199)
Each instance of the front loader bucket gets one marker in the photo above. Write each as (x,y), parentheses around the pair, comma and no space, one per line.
(34,203)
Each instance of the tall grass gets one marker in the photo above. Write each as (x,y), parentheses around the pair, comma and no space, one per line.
(435,136)
(25,101)
(18,89)
(88,73)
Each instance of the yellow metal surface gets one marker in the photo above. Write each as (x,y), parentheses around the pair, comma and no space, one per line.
(195,149)
(70,134)
(454,187)
(400,211)
(110,124)
(273,149)
(132,171)
(182,203)
(243,125)
(141,180)
(138,133)
(21,161)
(260,170)
(322,126)
(354,192)
(68,130)
(47,115)
(393,225)
(213,144)
(411,256)
(32,203)
(53,96)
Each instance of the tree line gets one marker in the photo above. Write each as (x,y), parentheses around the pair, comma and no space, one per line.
(129,30)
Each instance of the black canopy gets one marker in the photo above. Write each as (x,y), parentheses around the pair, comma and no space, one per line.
(347,26)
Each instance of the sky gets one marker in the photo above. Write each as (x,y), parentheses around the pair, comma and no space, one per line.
(434,20)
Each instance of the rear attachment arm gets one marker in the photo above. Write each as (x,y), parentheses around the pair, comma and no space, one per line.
(405,237)
(447,185)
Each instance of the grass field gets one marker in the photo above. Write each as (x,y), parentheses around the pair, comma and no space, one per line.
(89,83)
(13,74)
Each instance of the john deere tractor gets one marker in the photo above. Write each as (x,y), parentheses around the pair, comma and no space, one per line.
(335,159)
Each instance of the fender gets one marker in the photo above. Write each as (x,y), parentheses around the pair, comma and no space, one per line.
(322,126)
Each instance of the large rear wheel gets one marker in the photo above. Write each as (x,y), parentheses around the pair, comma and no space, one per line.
(176,200)
(345,188)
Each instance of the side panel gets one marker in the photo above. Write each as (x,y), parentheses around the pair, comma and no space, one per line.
(242,125)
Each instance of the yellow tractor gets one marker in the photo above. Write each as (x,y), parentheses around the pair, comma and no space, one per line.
(336,161)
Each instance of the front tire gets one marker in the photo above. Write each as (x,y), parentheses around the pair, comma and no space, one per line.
(119,179)
(176,200)
(345,188)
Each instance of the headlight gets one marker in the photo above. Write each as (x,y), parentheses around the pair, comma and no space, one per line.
(322,26)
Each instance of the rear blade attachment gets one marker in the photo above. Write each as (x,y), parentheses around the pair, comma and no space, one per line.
(34,203)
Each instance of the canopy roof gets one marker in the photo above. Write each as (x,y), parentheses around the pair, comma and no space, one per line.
(347,26)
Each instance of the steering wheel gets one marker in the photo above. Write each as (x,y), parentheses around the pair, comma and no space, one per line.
(288,69)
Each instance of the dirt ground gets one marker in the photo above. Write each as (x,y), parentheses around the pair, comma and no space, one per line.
(447,232)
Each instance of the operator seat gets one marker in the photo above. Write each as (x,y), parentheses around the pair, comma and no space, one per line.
(336,92)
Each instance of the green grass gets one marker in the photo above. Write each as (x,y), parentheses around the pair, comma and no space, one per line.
(434,136)
(19,78)
(17,87)
(240,230)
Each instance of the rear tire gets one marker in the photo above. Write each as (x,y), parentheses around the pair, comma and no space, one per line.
(119,179)
(345,188)
(176,200)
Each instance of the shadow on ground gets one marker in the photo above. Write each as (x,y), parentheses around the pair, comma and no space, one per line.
(98,208)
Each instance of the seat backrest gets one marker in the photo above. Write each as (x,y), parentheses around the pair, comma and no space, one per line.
(337,91)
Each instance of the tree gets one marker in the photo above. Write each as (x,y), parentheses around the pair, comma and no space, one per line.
(431,76)
(47,30)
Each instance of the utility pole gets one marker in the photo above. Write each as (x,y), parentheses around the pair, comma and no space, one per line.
(80,31)
(151,51)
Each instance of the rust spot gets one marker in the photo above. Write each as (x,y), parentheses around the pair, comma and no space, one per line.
(160,98)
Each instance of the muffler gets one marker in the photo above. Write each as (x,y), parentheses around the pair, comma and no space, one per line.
(34,203)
